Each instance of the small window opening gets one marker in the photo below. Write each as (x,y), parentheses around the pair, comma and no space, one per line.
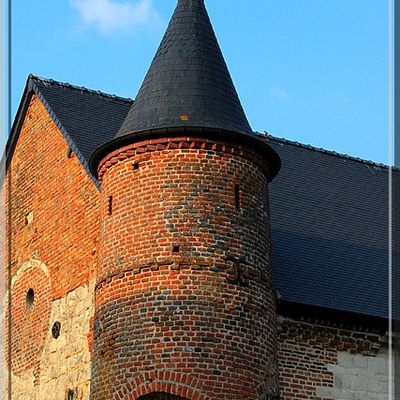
(110,205)
(237,197)
(30,297)
(136,165)
(56,329)
(70,153)
(70,394)
(175,249)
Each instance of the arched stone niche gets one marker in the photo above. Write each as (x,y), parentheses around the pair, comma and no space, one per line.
(30,316)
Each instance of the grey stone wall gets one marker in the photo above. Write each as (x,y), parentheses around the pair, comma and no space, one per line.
(65,360)
(359,377)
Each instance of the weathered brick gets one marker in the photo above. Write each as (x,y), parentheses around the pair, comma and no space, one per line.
(178,244)
(54,227)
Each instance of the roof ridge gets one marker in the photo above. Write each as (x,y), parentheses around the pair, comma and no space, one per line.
(265,134)
(80,88)
(324,151)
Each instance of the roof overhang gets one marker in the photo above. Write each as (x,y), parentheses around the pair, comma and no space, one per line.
(32,89)
(258,142)
(333,317)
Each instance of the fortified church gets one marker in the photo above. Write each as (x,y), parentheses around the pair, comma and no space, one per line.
(161,249)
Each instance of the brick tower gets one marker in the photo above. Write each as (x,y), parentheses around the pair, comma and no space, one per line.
(185,307)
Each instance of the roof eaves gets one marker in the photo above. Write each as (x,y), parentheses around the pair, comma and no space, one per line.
(331,316)
(30,88)
(17,124)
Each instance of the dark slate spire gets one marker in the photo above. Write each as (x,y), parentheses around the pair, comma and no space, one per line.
(188,89)
(188,83)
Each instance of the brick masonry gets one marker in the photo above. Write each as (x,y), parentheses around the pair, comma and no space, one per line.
(63,364)
(184,301)
(29,321)
(54,242)
(54,204)
(183,283)
(320,363)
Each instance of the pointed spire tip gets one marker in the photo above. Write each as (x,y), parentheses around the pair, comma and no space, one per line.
(188,77)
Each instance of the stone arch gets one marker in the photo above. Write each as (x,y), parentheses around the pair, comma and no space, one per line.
(29,324)
(26,266)
(182,386)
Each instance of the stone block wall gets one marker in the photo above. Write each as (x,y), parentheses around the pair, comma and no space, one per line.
(63,359)
(360,377)
(319,362)
(66,360)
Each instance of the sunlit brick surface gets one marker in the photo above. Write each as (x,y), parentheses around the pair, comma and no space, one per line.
(184,284)
(54,223)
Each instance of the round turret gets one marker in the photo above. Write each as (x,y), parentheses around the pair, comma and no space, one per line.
(185,306)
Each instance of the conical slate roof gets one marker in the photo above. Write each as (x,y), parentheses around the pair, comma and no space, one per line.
(188,89)
(188,83)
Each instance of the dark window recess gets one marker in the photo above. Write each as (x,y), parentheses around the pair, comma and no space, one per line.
(30,298)
(70,394)
(175,249)
(136,165)
(70,153)
(237,197)
(110,205)
(55,330)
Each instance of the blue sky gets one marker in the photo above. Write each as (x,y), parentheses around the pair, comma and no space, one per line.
(314,71)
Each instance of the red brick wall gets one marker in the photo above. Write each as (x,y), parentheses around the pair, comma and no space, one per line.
(204,314)
(63,198)
(29,323)
(306,351)
(63,233)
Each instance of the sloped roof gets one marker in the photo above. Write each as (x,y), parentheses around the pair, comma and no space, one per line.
(329,218)
(329,213)
(87,118)
(188,89)
(106,110)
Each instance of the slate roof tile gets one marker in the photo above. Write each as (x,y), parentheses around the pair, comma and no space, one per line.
(77,107)
(188,76)
(329,212)
(329,221)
